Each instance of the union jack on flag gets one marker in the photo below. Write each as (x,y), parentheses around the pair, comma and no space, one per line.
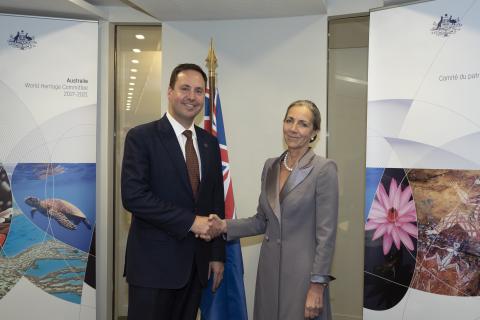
(213,123)
(229,300)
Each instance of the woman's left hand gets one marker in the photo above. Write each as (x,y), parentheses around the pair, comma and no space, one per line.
(314,303)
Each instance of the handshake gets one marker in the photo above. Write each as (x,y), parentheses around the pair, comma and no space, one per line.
(209,227)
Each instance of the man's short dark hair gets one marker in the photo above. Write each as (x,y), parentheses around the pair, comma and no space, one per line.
(183,67)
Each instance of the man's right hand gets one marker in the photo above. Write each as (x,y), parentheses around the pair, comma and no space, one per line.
(209,227)
(201,228)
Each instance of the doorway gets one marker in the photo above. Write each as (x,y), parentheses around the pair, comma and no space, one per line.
(137,100)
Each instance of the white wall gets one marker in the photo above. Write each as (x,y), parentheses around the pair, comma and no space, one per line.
(263,65)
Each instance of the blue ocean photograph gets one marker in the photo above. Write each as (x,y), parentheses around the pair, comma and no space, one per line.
(62,278)
(59,198)
(372,179)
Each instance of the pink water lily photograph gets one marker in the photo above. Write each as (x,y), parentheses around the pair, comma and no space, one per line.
(393,217)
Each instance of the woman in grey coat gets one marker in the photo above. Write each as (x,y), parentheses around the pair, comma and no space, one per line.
(297,212)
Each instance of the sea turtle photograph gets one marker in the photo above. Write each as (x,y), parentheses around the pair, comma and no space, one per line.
(59,199)
(65,213)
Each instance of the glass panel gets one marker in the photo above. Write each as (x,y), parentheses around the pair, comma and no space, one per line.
(137,100)
(348,33)
(347,105)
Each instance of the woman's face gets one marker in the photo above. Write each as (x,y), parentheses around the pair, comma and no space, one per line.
(298,127)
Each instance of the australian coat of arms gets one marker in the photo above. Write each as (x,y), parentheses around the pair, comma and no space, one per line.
(446,26)
(22,40)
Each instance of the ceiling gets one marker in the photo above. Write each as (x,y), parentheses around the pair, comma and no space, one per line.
(230,9)
(54,8)
(170,10)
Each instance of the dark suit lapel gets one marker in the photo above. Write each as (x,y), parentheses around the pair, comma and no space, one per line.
(205,159)
(203,150)
(170,142)
(298,174)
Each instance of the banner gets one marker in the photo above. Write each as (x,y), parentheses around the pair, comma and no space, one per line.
(48,85)
(422,213)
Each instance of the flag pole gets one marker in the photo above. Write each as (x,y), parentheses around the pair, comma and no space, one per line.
(229,300)
(211,62)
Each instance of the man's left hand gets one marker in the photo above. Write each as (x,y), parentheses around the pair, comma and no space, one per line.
(216,267)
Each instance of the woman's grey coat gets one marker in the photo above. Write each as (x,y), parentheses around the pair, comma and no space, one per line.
(300,225)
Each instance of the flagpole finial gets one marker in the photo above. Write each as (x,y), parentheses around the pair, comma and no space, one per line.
(211,60)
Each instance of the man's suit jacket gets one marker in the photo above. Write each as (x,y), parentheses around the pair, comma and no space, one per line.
(156,190)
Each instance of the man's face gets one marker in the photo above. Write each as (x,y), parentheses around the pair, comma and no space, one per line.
(186,98)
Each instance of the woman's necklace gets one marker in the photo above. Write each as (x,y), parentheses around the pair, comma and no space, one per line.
(285,163)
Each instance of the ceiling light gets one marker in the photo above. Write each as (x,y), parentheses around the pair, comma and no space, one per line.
(130,89)
(130,93)
(140,36)
(131,83)
(135,61)
(133,70)
(136,50)
(133,77)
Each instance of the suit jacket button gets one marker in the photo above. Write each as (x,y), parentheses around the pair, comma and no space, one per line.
(267,238)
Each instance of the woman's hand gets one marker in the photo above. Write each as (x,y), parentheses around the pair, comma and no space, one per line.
(217,225)
(314,303)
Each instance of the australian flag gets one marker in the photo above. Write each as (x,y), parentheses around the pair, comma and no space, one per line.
(229,300)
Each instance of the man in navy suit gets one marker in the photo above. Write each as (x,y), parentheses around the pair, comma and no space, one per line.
(167,263)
